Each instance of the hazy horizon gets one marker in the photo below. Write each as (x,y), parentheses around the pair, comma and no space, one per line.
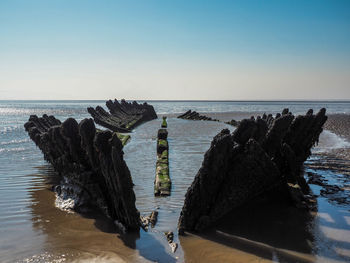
(182,50)
(183,100)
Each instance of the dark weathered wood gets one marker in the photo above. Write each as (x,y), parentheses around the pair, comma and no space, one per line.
(162,181)
(92,163)
(123,116)
(193,115)
(262,156)
(164,122)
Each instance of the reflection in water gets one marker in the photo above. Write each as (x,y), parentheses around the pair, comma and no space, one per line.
(332,230)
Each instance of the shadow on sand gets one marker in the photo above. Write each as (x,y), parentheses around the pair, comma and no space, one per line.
(90,232)
(274,232)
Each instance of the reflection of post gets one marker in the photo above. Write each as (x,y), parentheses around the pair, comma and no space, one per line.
(162,182)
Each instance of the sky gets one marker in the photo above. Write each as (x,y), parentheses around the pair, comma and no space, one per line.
(175,50)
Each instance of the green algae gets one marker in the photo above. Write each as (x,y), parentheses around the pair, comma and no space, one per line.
(163,143)
(131,124)
(164,122)
(162,182)
(124,138)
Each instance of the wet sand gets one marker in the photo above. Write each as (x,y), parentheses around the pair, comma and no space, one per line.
(261,231)
(61,236)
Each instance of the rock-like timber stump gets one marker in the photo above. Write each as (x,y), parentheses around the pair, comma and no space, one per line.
(164,122)
(193,115)
(92,163)
(122,116)
(262,156)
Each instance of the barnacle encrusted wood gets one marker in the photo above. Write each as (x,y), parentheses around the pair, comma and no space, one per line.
(162,182)
(92,163)
(261,155)
(193,115)
(122,116)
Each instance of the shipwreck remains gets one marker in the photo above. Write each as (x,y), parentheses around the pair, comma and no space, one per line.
(263,156)
(91,163)
(193,115)
(124,138)
(170,238)
(233,123)
(122,116)
(162,182)
(151,219)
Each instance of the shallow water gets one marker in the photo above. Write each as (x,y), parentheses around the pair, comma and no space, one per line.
(32,229)
(330,141)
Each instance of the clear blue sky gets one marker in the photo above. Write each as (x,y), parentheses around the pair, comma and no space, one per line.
(62,49)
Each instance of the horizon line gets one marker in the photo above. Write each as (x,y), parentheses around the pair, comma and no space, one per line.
(186,100)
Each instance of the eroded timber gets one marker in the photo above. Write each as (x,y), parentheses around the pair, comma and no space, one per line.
(162,182)
(263,156)
(122,116)
(193,115)
(91,161)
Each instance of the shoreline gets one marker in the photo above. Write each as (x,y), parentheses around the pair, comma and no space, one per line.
(339,124)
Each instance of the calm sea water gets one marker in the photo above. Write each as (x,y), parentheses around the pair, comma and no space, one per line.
(32,229)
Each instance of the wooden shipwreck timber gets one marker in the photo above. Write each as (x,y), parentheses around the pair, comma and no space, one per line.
(162,182)
(193,115)
(164,122)
(122,116)
(92,163)
(263,156)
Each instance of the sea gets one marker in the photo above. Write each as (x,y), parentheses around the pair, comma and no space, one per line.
(34,228)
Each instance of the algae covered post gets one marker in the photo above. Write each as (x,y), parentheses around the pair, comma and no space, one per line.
(164,123)
(124,138)
(162,182)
